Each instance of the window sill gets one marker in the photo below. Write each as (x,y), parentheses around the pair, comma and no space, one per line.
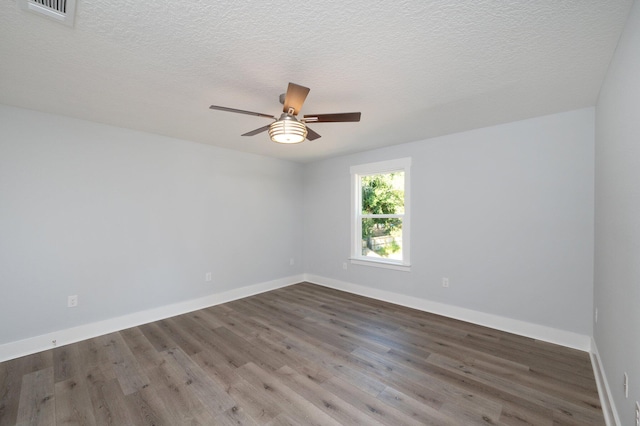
(381,264)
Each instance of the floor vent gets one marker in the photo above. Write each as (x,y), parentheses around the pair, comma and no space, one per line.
(60,10)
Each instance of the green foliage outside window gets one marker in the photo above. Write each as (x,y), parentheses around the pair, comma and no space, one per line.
(382,194)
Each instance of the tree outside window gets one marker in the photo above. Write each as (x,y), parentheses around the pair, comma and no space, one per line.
(380,214)
(382,201)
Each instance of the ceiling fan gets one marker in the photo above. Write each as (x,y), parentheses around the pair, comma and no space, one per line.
(289,128)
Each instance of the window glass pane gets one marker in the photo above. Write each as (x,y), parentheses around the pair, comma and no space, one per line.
(382,238)
(383,193)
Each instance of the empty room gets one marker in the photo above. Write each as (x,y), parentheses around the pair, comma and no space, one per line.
(321,213)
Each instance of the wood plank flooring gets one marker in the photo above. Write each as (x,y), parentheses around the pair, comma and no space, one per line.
(302,355)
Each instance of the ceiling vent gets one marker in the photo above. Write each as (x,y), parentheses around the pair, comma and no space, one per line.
(59,10)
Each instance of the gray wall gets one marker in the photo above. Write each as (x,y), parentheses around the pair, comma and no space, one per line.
(130,221)
(505,212)
(617,220)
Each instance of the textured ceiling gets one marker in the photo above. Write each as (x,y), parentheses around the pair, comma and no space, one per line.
(415,69)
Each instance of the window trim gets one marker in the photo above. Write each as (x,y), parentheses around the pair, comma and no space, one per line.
(380,167)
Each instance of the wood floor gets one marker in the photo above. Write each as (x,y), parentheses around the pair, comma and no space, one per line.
(302,355)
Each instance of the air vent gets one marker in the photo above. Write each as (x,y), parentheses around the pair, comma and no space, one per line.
(60,10)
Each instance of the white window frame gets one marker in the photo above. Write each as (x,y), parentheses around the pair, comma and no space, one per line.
(397,165)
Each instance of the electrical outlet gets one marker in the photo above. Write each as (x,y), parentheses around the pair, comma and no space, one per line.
(344,265)
(637,413)
(72,301)
(445,282)
(596,316)
(626,385)
(208,277)
(292,261)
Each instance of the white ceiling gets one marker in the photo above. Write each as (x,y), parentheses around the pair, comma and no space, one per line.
(415,69)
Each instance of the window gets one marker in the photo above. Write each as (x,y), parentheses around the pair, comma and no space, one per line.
(380,214)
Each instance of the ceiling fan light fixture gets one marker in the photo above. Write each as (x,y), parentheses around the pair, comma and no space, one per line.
(287,130)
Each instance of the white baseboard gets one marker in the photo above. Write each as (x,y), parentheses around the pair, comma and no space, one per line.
(43,342)
(523,328)
(611,417)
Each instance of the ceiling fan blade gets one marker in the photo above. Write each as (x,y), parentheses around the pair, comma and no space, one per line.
(241,111)
(256,131)
(311,135)
(342,117)
(295,97)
